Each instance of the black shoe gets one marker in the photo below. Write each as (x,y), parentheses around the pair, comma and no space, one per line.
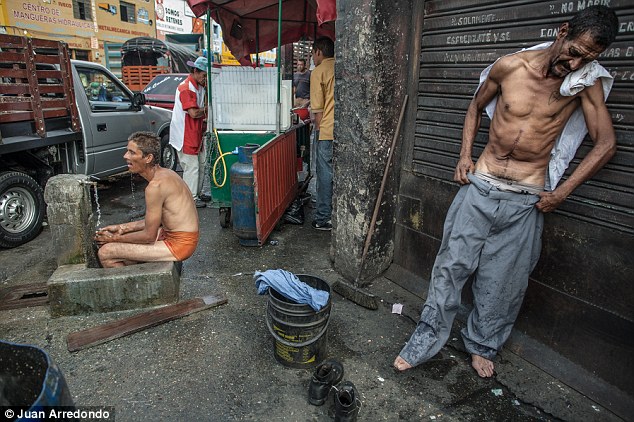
(327,374)
(346,403)
(305,198)
(327,226)
(204,197)
(199,203)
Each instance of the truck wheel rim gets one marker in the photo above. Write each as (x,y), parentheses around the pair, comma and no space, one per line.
(17,210)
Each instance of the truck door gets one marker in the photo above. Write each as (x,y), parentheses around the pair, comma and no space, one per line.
(112,118)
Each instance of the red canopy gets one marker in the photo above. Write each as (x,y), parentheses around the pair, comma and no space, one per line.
(250,26)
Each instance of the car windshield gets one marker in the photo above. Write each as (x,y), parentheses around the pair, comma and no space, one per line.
(164,84)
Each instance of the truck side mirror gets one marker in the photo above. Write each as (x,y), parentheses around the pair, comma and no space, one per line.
(138,99)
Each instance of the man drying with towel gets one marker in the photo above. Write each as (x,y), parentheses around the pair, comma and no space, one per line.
(493,227)
(169,231)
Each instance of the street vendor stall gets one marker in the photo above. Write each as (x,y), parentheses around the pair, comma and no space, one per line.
(260,25)
(250,28)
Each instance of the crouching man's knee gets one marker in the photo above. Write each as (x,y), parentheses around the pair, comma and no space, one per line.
(103,252)
(106,254)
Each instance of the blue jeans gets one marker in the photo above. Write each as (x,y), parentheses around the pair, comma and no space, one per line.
(323,168)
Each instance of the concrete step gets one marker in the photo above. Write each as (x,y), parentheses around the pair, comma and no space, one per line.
(77,290)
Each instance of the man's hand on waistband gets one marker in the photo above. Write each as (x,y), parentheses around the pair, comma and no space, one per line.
(465,165)
(550,201)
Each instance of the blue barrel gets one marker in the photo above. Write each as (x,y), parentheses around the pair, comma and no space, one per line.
(243,197)
(30,378)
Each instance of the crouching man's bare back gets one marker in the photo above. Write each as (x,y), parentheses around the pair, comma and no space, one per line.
(169,231)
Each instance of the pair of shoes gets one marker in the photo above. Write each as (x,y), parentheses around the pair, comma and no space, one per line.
(327,226)
(326,377)
(204,197)
(199,203)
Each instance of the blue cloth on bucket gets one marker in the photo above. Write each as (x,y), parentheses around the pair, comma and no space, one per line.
(288,285)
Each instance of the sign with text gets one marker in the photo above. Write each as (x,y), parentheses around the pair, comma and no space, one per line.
(120,21)
(173,16)
(46,18)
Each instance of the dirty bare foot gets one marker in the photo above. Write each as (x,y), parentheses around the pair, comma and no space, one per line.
(401,365)
(484,367)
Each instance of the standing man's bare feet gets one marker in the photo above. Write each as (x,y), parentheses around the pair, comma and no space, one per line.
(484,367)
(401,365)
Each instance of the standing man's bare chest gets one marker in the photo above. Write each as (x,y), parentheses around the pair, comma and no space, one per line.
(526,96)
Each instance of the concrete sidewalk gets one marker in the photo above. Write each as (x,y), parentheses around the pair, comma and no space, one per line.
(218,365)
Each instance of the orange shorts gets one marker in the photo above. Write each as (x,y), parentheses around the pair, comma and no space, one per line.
(181,244)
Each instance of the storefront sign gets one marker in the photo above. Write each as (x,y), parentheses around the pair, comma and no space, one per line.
(172,18)
(47,18)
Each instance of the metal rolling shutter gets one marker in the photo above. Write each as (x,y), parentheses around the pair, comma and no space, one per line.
(462,37)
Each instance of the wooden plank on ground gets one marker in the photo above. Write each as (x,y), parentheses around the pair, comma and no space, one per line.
(115,329)
(23,296)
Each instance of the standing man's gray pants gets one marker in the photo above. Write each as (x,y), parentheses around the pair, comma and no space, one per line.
(497,235)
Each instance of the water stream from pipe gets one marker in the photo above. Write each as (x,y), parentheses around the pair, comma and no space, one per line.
(98,206)
(133,189)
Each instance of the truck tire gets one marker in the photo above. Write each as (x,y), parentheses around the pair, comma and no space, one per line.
(169,159)
(21,209)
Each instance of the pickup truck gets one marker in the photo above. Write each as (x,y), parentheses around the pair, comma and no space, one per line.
(61,116)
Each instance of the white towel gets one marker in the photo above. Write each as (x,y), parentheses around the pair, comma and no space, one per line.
(575,129)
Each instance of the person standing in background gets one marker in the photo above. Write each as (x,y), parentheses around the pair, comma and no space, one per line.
(187,126)
(322,101)
(301,84)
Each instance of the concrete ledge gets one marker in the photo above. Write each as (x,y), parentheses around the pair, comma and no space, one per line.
(77,290)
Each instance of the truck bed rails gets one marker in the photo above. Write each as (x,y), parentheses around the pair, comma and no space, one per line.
(137,77)
(35,84)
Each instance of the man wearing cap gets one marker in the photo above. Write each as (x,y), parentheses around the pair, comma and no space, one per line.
(186,128)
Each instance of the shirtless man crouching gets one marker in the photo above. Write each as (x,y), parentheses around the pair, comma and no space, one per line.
(493,227)
(169,231)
